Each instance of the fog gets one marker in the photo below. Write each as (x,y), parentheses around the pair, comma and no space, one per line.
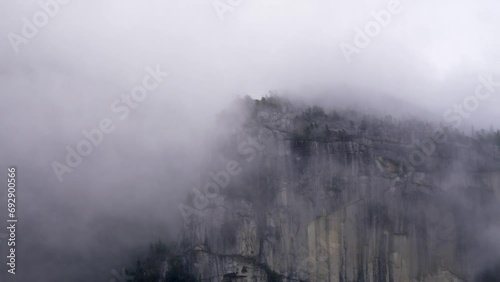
(124,195)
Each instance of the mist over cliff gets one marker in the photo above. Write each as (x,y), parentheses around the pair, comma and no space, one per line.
(292,192)
(117,114)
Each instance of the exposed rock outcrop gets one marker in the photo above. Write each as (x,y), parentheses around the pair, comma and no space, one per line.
(323,198)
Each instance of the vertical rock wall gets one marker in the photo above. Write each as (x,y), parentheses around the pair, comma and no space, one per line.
(342,211)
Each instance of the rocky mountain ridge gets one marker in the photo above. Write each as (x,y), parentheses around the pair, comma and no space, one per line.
(292,193)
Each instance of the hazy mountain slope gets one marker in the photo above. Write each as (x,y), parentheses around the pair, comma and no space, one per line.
(297,194)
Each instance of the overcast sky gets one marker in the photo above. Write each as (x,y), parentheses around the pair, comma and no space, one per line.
(64,79)
(430,53)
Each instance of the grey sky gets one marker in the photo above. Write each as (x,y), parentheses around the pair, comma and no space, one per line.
(430,54)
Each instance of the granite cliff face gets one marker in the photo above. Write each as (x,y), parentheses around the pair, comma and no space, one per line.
(308,196)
